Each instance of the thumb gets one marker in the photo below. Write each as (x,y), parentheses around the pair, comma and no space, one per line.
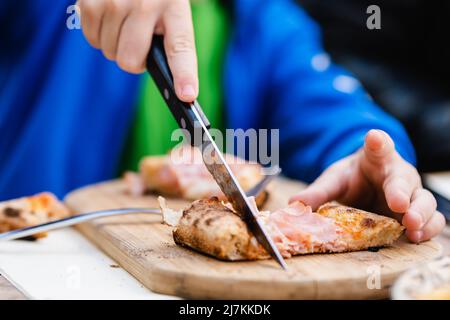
(378,148)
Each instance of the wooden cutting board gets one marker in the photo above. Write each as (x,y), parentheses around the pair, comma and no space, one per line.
(145,248)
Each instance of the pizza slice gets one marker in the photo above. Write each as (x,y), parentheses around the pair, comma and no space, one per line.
(182,174)
(30,211)
(212,227)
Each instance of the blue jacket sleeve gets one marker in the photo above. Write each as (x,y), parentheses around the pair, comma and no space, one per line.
(280,76)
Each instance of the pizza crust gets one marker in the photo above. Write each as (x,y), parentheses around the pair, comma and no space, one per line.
(363,229)
(211,227)
(29,211)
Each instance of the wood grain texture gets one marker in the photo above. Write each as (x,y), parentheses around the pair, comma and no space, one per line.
(145,248)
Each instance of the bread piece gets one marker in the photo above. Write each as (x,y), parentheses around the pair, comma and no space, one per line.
(212,228)
(30,211)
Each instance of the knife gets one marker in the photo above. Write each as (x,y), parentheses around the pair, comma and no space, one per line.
(191,118)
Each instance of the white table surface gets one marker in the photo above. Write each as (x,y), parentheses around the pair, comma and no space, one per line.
(67,266)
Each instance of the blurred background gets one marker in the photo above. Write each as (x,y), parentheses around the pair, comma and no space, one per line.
(405,65)
(69,117)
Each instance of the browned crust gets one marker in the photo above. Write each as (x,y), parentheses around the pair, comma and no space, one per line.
(262,198)
(210,227)
(362,229)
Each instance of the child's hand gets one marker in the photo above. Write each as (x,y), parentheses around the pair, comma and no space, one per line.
(378,177)
(123,30)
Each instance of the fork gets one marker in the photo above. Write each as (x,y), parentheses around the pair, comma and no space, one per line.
(84,217)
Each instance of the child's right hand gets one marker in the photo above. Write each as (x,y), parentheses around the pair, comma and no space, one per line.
(123,30)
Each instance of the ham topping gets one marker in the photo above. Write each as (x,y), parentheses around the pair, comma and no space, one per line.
(296,229)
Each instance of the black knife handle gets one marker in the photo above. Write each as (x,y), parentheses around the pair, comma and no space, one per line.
(158,68)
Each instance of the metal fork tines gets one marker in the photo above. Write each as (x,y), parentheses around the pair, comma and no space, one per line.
(70,221)
(261,185)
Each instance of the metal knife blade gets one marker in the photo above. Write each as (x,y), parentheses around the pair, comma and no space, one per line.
(219,169)
(191,118)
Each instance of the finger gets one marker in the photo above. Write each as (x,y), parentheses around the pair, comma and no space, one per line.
(432,228)
(399,185)
(378,148)
(91,16)
(385,169)
(180,48)
(423,206)
(135,39)
(329,186)
(401,182)
(113,19)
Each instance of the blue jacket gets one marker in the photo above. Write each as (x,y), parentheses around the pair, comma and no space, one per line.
(65,109)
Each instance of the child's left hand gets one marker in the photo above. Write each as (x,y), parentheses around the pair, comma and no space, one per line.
(378,177)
